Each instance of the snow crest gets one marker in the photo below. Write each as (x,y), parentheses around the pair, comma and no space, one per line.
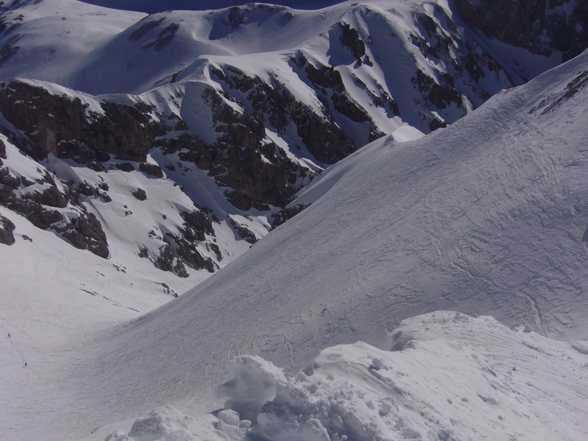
(453,378)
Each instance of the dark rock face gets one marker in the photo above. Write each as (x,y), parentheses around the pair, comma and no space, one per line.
(447,93)
(322,136)
(86,232)
(197,225)
(146,25)
(350,39)
(61,125)
(140,194)
(235,159)
(525,23)
(168,260)
(6,229)
(236,17)
(246,234)
(151,169)
(165,36)
(190,254)
(286,214)
(83,230)
(180,249)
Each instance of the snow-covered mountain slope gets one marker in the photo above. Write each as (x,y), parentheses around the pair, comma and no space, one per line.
(241,107)
(487,216)
(51,39)
(542,27)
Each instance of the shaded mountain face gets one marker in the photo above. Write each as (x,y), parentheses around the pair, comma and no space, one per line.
(237,108)
(543,26)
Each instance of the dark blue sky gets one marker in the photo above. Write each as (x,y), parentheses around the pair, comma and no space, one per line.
(152,6)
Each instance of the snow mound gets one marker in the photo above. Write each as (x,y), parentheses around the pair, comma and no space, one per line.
(456,377)
(165,423)
(254,382)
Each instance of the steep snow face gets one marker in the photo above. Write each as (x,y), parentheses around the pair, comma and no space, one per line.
(487,216)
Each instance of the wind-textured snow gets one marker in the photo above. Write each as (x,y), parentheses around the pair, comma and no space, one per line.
(485,217)
(449,377)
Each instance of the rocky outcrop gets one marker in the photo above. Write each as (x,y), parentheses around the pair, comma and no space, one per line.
(255,172)
(6,229)
(180,247)
(168,260)
(541,26)
(316,130)
(2,151)
(286,214)
(43,203)
(321,136)
(85,232)
(151,169)
(139,194)
(197,225)
(349,38)
(64,126)
(276,106)
(245,233)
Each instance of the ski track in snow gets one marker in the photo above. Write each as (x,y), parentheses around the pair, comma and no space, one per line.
(486,216)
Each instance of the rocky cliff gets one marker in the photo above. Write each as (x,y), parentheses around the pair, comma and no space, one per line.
(238,109)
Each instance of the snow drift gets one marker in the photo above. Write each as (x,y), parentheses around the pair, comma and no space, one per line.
(454,378)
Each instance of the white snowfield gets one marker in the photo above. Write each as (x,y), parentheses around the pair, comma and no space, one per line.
(485,217)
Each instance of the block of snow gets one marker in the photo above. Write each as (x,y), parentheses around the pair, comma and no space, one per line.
(163,423)
(229,417)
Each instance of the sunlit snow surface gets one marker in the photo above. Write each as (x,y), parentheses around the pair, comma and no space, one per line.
(485,217)
(449,377)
